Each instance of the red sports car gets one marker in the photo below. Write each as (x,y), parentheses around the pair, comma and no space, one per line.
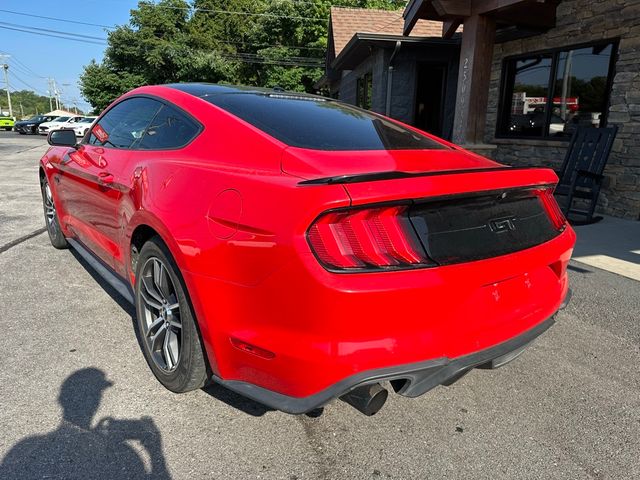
(296,249)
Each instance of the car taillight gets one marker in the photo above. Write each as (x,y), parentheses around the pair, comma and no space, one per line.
(367,239)
(552,208)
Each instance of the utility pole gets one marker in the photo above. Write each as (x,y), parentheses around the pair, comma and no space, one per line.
(5,67)
(21,111)
(56,93)
(53,93)
(49,90)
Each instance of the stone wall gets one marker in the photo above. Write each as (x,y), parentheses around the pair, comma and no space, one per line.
(580,21)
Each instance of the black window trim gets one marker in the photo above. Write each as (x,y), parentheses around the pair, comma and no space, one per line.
(134,148)
(554,52)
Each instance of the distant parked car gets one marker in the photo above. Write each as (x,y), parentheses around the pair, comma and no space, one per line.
(532,124)
(31,125)
(83,126)
(7,123)
(58,124)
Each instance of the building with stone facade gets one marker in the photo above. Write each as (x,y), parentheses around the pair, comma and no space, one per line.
(585,22)
(510,79)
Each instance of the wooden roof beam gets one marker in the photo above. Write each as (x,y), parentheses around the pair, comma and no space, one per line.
(451,9)
(449,27)
(536,15)
(528,13)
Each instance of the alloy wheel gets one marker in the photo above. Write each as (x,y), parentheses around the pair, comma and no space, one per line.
(161,325)
(50,210)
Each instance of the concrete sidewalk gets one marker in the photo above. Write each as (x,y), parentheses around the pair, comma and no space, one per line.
(612,244)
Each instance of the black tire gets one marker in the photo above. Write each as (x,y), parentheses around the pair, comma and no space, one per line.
(8,129)
(51,217)
(190,371)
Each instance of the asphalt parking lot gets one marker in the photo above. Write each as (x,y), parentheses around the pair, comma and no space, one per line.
(77,397)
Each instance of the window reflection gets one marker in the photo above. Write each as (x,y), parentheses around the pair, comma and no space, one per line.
(537,106)
(529,99)
(581,87)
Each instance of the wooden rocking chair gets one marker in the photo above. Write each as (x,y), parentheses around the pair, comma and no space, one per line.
(581,173)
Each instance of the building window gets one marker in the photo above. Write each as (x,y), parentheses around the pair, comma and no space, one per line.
(364,89)
(549,94)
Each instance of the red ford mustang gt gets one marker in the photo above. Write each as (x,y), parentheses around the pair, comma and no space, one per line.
(296,249)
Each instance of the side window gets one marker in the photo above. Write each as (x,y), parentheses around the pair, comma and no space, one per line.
(125,123)
(169,129)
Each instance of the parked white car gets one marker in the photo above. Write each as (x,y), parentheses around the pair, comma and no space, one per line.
(83,126)
(59,123)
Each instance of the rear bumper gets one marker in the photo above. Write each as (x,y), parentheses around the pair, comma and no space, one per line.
(309,329)
(409,380)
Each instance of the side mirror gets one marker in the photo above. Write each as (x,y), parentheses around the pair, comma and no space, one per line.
(62,138)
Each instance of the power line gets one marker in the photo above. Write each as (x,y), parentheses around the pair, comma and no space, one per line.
(53,36)
(231,42)
(266,61)
(36,90)
(243,13)
(238,56)
(102,41)
(338,4)
(77,22)
(25,67)
(90,37)
(17,67)
(189,9)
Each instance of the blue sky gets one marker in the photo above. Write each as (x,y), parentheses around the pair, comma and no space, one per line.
(36,56)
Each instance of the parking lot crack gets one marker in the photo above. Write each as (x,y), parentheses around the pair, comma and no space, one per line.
(24,238)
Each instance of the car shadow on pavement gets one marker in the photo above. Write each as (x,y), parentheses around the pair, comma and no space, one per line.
(76,449)
(244,404)
(237,401)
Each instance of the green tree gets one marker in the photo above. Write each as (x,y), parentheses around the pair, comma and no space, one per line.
(252,42)
(24,101)
(101,84)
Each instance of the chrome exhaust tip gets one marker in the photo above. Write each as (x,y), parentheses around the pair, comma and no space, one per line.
(367,399)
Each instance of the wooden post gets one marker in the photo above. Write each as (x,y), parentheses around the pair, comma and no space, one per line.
(476,55)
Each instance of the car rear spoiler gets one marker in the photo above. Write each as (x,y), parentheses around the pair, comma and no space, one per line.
(393,175)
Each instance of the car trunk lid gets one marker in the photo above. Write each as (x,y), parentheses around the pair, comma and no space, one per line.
(472,215)
(318,165)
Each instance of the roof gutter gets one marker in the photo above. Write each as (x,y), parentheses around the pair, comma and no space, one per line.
(387,109)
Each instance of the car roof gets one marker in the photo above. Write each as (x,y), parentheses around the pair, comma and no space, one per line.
(209,89)
(308,121)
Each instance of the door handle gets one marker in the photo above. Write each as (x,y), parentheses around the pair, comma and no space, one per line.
(105,178)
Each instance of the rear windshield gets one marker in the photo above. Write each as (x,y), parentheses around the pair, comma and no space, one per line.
(60,119)
(320,124)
